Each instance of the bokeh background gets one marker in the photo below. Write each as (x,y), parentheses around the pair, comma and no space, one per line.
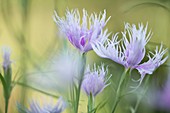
(27,27)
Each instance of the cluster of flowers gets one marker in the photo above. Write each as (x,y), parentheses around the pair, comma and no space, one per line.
(87,34)
(82,33)
(128,51)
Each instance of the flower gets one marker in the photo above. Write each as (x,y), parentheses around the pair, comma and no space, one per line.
(81,32)
(164,97)
(95,80)
(7,68)
(159,97)
(134,50)
(131,52)
(62,66)
(70,61)
(6,58)
(35,108)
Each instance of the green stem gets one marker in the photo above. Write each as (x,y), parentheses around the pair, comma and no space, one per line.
(141,95)
(118,91)
(83,63)
(6,105)
(72,96)
(90,107)
(78,97)
(137,104)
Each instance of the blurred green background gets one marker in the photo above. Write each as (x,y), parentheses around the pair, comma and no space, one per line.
(28,28)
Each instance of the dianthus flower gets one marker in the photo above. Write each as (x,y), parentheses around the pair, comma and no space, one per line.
(131,52)
(36,108)
(95,80)
(81,32)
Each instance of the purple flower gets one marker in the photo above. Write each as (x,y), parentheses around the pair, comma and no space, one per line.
(134,50)
(95,80)
(35,108)
(81,32)
(131,52)
(164,97)
(159,98)
(6,58)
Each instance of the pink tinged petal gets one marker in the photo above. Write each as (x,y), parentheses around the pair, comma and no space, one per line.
(154,62)
(110,49)
(135,47)
(146,68)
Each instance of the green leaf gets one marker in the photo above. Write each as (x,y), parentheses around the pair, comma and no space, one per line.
(101,105)
(8,79)
(38,90)
(3,84)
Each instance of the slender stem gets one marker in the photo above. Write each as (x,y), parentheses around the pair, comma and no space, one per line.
(118,91)
(137,104)
(90,107)
(72,96)
(6,105)
(142,94)
(78,98)
(83,63)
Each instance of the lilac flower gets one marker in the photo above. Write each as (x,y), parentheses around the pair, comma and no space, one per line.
(164,97)
(95,80)
(35,108)
(81,32)
(160,98)
(131,52)
(7,68)
(6,58)
(134,50)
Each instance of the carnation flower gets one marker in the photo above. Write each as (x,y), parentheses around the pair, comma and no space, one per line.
(131,52)
(81,32)
(36,108)
(6,58)
(95,80)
